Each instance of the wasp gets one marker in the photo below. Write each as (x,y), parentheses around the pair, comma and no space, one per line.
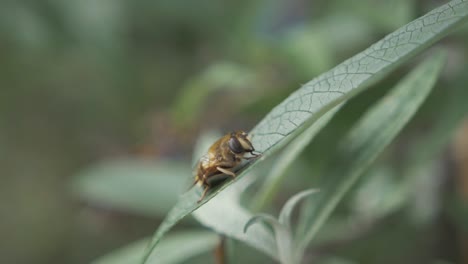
(222,159)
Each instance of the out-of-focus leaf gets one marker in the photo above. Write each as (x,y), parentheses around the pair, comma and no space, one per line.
(382,193)
(306,105)
(138,186)
(285,214)
(222,76)
(283,237)
(92,22)
(445,121)
(384,15)
(176,248)
(24,26)
(422,169)
(379,195)
(424,184)
(287,253)
(225,215)
(374,131)
(313,48)
(335,260)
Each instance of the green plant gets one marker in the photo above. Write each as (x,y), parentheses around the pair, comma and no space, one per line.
(291,126)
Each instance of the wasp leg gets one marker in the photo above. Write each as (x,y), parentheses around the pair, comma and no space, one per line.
(254,156)
(226,171)
(198,180)
(205,184)
(204,193)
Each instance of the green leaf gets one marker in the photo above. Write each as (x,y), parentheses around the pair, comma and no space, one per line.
(311,49)
(374,131)
(225,215)
(282,228)
(287,157)
(380,194)
(335,260)
(306,105)
(261,217)
(131,185)
(283,237)
(285,214)
(227,204)
(384,15)
(195,94)
(446,119)
(176,248)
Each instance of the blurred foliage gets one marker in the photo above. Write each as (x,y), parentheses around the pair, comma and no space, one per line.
(190,243)
(130,86)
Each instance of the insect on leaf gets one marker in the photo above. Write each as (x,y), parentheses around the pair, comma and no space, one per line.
(310,102)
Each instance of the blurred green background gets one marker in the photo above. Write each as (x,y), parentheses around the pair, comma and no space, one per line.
(83,82)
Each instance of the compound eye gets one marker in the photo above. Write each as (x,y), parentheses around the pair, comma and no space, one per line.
(235,145)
